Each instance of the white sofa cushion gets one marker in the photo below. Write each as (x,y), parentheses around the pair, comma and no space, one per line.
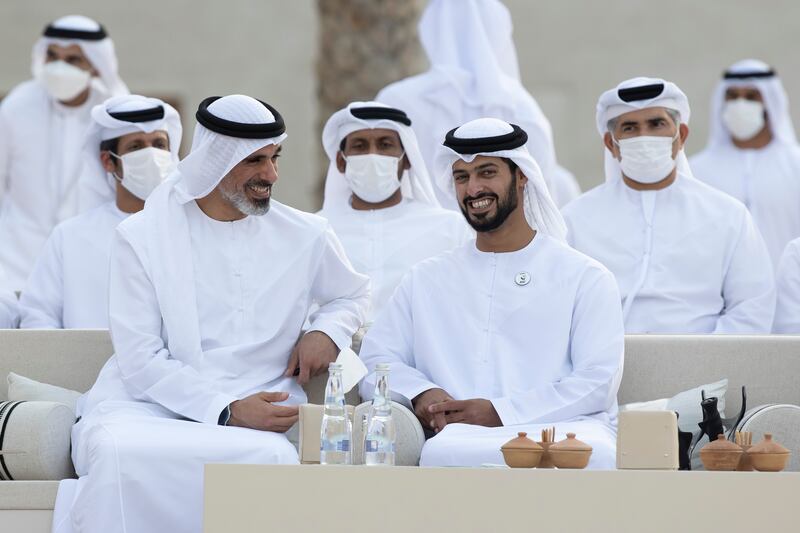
(686,404)
(35,441)
(21,388)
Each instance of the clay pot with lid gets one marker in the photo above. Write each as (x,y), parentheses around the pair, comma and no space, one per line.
(521,452)
(768,455)
(570,453)
(721,454)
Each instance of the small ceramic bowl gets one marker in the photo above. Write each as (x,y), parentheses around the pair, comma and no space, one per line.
(768,455)
(521,452)
(570,459)
(522,458)
(570,453)
(721,454)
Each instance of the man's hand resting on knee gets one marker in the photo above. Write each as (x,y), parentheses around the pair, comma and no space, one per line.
(478,412)
(259,412)
(422,404)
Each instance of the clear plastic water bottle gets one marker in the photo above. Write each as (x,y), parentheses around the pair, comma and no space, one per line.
(379,441)
(336,431)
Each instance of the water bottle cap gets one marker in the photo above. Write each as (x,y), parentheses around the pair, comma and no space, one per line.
(382,367)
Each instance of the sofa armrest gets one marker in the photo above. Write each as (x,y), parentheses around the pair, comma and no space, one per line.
(35,441)
(408,431)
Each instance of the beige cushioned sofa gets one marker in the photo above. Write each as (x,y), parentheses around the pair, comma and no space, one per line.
(656,366)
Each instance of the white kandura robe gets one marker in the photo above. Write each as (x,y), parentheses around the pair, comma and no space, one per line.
(545,353)
(385,243)
(68,287)
(690,254)
(787,282)
(150,421)
(39,176)
(767,181)
(9,307)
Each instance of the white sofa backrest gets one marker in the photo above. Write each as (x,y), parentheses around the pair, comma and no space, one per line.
(660,366)
(73,358)
(67,358)
(656,366)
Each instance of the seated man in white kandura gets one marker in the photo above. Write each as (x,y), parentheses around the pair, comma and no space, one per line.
(209,288)
(131,147)
(379,198)
(512,332)
(687,257)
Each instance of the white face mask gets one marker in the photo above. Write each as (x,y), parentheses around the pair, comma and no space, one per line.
(743,118)
(144,170)
(646,159)
(372,177)
(64,81)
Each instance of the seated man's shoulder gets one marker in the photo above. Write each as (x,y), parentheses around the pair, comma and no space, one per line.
(80,225)
(713,201)
(702,158)
(302,221)
(90,219)
(591,199)
(133,227)
(442,263)
(426,212)
(27,93)
(568,261)
(398,91)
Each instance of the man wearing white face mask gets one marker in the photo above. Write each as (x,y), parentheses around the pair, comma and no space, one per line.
(42,123)
(752,152)
(131,146)
(379,198)
(687,258)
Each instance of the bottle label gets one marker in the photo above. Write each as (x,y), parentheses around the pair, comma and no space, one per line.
(378,445)
(335,445)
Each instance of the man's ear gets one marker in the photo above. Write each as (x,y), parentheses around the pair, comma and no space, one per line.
(684,133)
(608,142)
(107,160)
(406,163)
(341,164)
(522,178)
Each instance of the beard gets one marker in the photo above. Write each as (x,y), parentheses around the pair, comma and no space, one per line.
(491,221)
(240,200)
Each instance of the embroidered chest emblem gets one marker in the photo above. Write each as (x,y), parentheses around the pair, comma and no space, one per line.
(522,279)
